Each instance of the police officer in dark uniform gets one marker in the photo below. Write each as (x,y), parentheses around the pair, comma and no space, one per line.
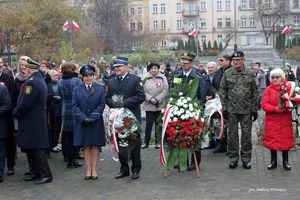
(187,73)
(130,87)
(31,108)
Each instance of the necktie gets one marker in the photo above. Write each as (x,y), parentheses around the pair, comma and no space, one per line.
(88,87)
(120,78)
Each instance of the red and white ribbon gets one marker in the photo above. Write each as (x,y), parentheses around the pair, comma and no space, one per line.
(211,107)
(112,117)
(290,88)
(167,115)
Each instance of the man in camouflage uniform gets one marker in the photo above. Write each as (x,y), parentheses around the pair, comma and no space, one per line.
(239,99)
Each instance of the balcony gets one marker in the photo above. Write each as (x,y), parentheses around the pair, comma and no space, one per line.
(190,13)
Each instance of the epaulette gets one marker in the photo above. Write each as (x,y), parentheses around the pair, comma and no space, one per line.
(31,78)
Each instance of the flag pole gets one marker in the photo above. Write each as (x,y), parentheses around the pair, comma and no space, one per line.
(70,33)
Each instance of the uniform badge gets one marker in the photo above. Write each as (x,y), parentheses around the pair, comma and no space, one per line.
(141,84)
(28,89)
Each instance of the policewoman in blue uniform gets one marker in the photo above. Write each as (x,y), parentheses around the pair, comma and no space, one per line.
(186,74)
(88,106)
(130,86)
(32,122)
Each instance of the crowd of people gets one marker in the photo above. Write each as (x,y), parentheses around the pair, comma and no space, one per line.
(46,105)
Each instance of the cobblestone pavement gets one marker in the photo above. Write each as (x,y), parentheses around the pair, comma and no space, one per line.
(216,180)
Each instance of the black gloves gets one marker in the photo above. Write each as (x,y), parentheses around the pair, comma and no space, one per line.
(225,115)
(254,116)
(88,121)
(118,104)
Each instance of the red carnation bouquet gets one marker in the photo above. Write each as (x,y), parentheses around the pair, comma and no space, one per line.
(183,125)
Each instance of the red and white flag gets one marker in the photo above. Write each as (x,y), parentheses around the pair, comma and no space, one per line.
(66,26)
(75,26)
(274,28)
(286,30)
(193,33)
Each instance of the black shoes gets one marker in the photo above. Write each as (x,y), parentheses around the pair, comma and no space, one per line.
(157,146)
(87,177)
(1,179)
(10,171)
(31,178)
(233,164)
(247,165)
(74,164)
(272,165)
(144,146)
(122,174)
(135,175)
(286,165)
(44,180)
(191,167)
(210,147)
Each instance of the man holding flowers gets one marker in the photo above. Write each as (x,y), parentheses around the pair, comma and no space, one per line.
(129,88)
(186,74)
(239,97)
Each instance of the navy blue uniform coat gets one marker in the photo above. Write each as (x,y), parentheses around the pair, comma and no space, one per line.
(132,90)
(5,107)
(31,113)
(91,105)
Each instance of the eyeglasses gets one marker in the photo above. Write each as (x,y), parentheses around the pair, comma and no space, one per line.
(221,60)
(275,77)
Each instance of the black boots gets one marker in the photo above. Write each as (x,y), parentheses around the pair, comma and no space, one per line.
(285,160)
(273,163)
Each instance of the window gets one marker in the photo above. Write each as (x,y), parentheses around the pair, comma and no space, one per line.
(227,23)
(163,24)
(154,8)
(219,40)
(267,21)
(243,22)
(140,10)
(227,5)
(191,9)
(268,3)
(219,5)
(219,22)
(131,11)
(140,26)
(295,3)
(251,4)
(297,20)
(281,21)
(178,23)
(203,6)
(164,43)
(132,26)
(243,4)
(252,22)
(163,8)
(155,24)
(203,23)
(191,24)
(203,38)
(178,7)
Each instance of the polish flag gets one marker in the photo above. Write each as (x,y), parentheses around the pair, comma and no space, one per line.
(66,26)
(286,30)
(75,26)
(193,33)
(274,28)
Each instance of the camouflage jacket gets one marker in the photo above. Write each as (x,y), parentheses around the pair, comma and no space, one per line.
(238,91)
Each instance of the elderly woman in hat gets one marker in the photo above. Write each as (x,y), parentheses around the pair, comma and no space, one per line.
(278,128)
(88,106)
(156,88)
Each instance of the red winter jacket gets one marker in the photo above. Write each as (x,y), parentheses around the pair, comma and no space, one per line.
(278,127)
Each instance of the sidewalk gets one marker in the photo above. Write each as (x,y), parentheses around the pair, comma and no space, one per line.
(216,180)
